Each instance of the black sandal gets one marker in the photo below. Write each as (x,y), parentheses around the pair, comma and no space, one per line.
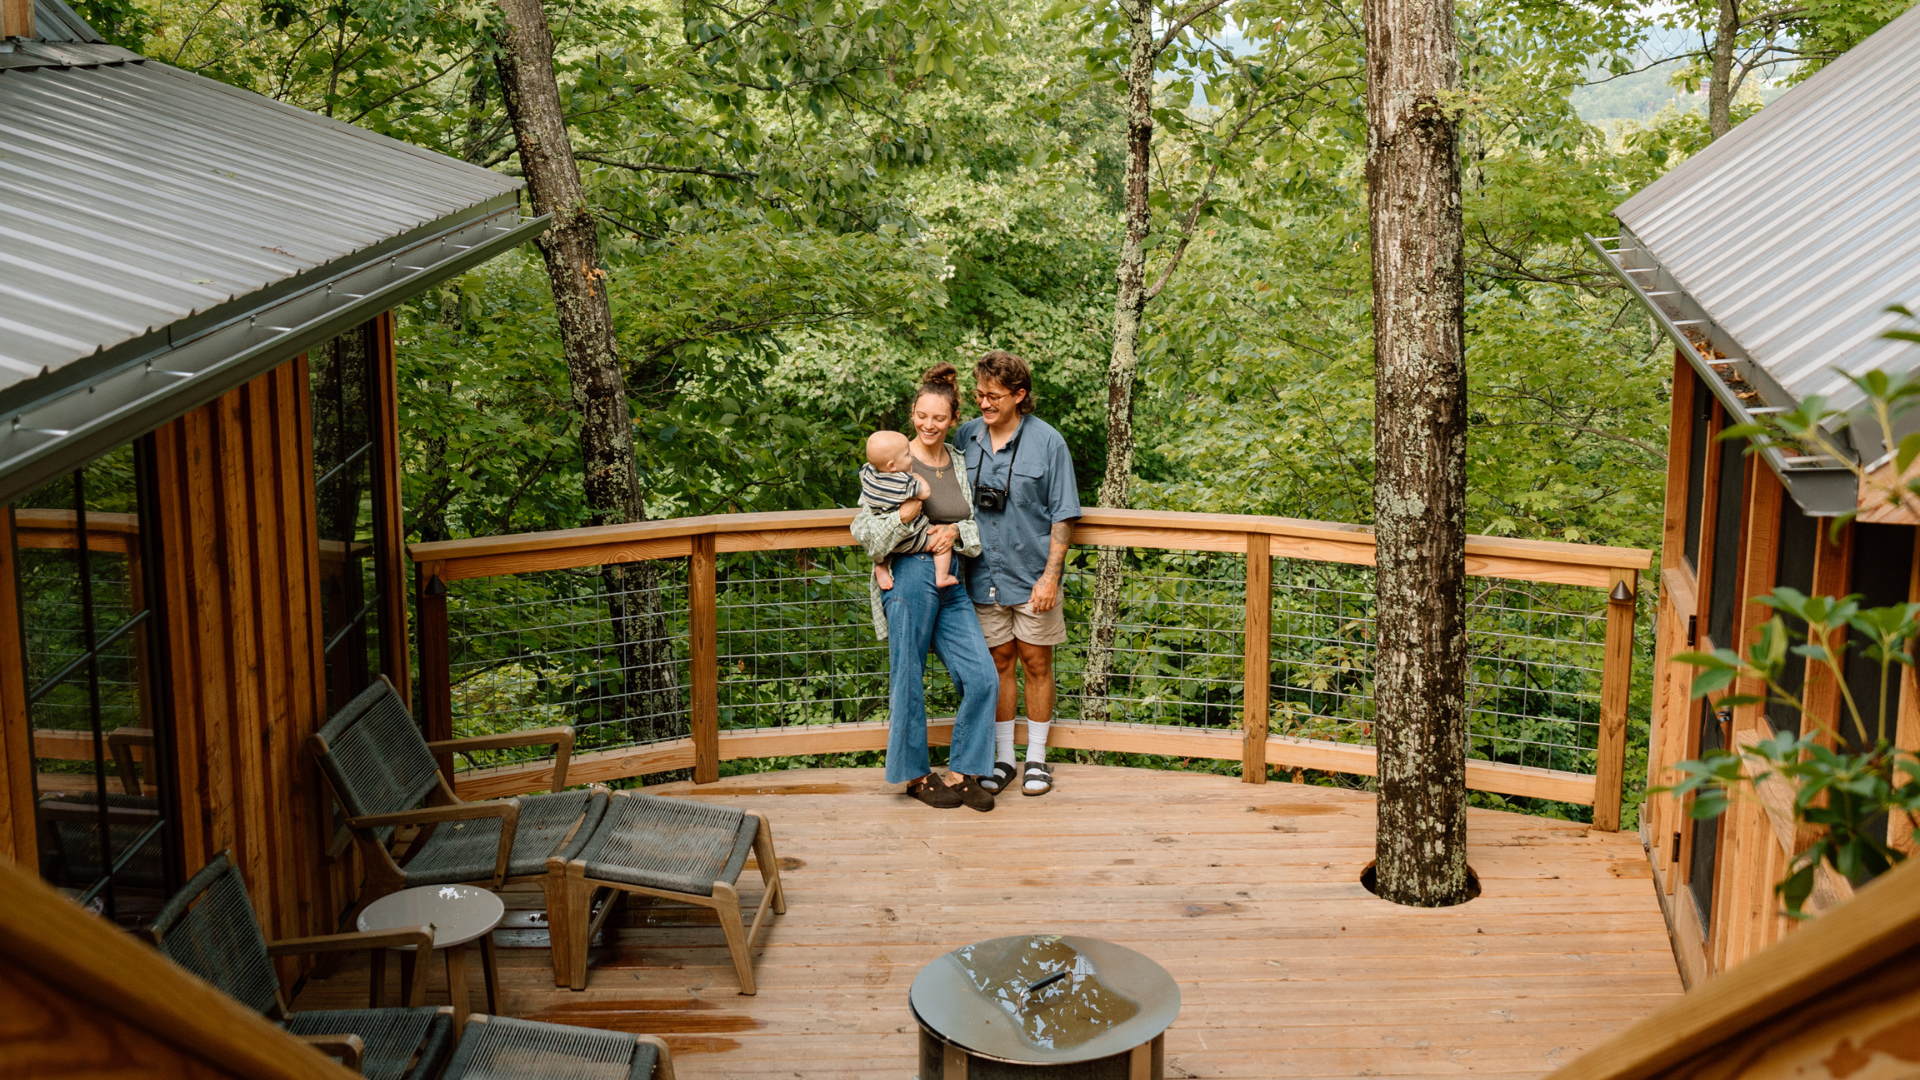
(928,789)
(1003,774)
(1037,770)
(973,795)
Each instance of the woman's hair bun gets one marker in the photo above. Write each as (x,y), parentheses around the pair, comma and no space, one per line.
(941,375)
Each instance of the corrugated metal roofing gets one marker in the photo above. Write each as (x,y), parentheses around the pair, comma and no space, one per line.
(55,21)
(1795,231)
(135,197)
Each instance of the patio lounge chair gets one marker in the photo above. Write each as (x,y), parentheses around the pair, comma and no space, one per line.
(497,1047)
(574,843)
(672,848)
(381,770)
(209,928)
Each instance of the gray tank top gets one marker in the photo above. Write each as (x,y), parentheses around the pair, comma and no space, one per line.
(944,504)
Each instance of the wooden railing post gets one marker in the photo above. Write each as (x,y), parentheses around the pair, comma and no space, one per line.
(436,659)
(704,647)
(1253,762)
(1616,680)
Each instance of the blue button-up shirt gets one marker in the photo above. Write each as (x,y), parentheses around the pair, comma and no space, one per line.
(1014,542)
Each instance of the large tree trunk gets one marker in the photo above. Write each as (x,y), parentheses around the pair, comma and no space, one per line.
(1720,84)
(571,249)
(1130,300)
(1420,386)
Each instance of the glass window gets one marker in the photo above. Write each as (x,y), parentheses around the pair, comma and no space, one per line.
(1706,831)
(1882,571)
(1793,568)
(1698,441)
(83,550)
(1730,497)
(347,454)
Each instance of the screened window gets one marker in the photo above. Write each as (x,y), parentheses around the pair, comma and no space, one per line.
(1723,599)
(1706,831)
(1698,442)
(347,454)
(85,551)
(1882,570)
(1793,568)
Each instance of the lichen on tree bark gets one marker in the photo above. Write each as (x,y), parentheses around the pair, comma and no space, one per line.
(1129,303)
(1413,191)
(571,250)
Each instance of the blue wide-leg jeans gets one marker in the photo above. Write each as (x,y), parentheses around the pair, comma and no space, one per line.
(921,617)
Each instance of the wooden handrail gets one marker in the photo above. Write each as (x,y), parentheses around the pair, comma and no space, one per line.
(1835,993)
(135,1011)
(701,539)
(1293,538)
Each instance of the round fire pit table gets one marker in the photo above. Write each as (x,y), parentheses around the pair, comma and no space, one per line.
(1043,1007)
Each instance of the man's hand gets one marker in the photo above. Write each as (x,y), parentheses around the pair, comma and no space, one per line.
(1046,592)
(909,510)
(940,538)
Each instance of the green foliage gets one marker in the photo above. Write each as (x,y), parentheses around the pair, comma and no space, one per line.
(1845,793)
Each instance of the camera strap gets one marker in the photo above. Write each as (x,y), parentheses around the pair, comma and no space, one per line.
(1013,447)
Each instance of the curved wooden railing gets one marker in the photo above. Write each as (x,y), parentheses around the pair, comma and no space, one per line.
(1611,570)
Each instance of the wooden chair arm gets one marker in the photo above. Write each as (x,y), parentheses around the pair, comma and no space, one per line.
(561,738)
(508,809)
(417,937)
(663,1062)
(347,1049)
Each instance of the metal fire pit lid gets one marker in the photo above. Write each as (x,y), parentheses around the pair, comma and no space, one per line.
(1044,999)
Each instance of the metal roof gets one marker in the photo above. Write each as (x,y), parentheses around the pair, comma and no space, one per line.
(55,21)
(165,236)
(1780,246)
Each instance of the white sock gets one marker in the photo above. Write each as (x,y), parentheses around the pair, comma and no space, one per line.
(1003,741)
(1037,741)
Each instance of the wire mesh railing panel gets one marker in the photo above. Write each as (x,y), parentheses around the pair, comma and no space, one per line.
(607,650)
(1320,655)
(795,640)
(1535,659)
(1178,647)
(603,649)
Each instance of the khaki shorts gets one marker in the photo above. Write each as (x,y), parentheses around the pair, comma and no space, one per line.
(1002,624)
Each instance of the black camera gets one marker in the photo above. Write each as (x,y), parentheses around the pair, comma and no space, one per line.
(994,499)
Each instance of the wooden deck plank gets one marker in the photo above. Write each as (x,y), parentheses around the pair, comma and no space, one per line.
(1249,895)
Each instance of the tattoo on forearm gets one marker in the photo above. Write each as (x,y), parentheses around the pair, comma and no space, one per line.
(1059,538)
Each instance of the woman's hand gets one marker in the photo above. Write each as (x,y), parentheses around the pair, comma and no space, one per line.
(909,510)
(941,538)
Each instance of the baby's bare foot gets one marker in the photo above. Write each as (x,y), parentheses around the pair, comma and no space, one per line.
(884,577)
(946,580)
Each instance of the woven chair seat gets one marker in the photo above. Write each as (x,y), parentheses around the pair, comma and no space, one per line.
(507,1049)
(466,850)
(394,1038)
(677,845)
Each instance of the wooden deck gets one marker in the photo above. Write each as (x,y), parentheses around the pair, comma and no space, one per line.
(1248,894)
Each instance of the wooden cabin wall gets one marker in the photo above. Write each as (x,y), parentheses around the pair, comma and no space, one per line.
(1743,915)
(243,632)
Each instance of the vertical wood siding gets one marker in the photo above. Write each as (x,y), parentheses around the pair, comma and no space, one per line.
(238,530)
(1751,857)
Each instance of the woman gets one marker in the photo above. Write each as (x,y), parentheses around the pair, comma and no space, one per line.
(915,615)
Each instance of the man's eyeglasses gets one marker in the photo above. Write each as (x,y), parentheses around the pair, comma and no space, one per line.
(986,395)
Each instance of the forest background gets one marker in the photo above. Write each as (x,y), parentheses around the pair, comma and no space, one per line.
(805,204)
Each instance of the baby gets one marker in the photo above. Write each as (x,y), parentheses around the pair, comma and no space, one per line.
(886,481)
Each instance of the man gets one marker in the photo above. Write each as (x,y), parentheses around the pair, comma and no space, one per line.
(1025,502)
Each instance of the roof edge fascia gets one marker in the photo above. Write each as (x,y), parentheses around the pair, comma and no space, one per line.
(1823,487)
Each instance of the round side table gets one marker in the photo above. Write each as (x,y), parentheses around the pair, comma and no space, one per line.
(456,914)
